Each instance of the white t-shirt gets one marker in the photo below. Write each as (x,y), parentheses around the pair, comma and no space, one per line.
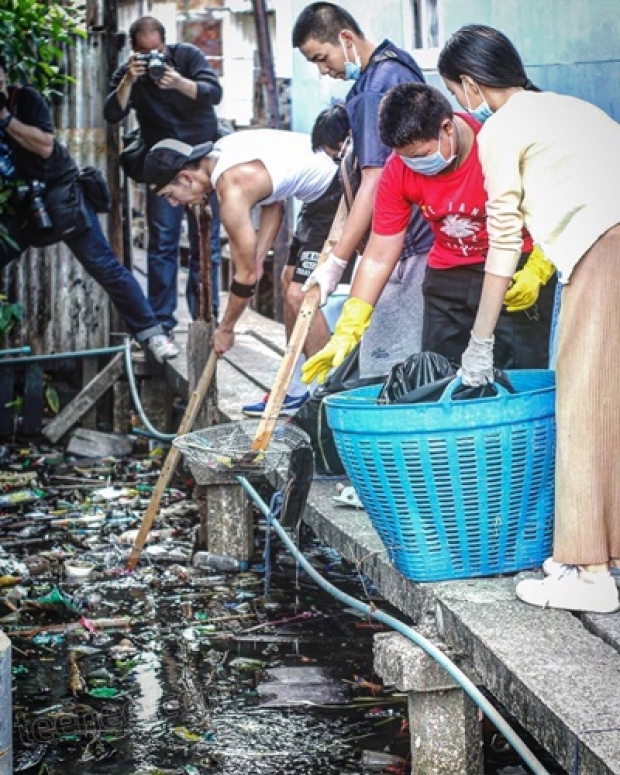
(295,169)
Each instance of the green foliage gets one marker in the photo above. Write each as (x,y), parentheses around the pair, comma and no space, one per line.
(52,399)
(17,405)
(9,313)
(33,35)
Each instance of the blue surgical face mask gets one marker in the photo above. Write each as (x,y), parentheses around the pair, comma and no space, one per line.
(482,112)
(352,70)
(433,164)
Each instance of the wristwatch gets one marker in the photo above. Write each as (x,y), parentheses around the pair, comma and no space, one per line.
(4,122)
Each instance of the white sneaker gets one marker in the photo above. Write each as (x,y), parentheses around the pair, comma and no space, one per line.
(572,589)
(162,347)
(347,497)
(551,568)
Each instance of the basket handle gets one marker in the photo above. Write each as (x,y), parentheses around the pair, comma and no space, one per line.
(458,381)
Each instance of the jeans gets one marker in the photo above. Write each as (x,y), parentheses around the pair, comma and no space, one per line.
(193,281)
(164,229)
(93,251)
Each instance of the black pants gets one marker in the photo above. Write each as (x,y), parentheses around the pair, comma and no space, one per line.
(451,298)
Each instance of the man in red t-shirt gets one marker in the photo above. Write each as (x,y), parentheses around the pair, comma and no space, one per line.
(436,167)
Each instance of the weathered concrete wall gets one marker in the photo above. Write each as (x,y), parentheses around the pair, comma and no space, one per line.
(6,715)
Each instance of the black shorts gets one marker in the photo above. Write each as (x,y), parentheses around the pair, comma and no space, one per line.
(313,226)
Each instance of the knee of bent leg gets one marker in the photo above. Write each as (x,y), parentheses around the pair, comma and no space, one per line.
(295,296)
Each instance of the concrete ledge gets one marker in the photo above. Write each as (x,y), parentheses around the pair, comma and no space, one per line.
(406,666)
(558,674)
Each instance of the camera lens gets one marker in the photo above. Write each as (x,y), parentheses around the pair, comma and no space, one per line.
(36,206)
(156,68)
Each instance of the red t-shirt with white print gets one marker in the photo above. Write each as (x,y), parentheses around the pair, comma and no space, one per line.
(454,203)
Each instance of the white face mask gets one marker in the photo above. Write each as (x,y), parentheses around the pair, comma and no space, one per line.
(433,164)
(352,70)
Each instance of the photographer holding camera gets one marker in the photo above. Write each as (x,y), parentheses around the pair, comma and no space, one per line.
(172,90)
(50,203)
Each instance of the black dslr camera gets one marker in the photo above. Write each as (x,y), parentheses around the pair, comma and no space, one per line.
(31,196)
(155,62)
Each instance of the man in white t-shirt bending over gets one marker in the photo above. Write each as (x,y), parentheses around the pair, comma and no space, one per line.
(256,167)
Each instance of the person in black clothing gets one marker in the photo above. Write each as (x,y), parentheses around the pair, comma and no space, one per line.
(173,95)
(34,165)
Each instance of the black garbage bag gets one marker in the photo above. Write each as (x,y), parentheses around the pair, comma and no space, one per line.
(423,378)
(312,417)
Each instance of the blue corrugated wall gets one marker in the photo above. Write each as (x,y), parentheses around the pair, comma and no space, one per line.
(569,46)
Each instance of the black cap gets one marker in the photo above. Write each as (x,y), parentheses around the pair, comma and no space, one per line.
(167,158)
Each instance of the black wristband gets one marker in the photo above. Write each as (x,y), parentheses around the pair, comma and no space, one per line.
(243,290)
(4,122)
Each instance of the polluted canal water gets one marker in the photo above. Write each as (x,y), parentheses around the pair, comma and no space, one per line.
(179,667)
(175,668)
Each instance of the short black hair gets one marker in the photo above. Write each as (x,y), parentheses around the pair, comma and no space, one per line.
(146,24)
(331,128)
(411,112)
(484,54)
(3,62)
(323,22)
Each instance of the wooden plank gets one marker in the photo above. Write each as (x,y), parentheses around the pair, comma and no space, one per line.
(7,415)
(87,443)
(70,415)
(33,399)
(90,368)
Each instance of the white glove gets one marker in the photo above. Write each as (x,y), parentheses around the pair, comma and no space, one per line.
(327,276)
(477,362)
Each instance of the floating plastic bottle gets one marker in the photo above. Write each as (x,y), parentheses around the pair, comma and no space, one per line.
(377,761)
(220,562)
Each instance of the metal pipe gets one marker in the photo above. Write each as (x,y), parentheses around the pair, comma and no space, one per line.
(16,351)
(455,672)
(133,389)
(63,356)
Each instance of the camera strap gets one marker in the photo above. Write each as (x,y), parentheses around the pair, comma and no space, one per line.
(13,98)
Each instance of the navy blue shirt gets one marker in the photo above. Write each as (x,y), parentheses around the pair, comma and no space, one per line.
(166,113)
(388,66)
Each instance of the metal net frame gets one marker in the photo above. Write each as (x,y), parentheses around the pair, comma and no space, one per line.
(227,448)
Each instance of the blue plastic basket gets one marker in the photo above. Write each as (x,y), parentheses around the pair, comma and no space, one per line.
(455,489)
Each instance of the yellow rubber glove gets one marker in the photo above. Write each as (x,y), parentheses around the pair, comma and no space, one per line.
(353,321)
(523,293)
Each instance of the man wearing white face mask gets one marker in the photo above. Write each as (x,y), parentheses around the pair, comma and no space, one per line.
(436,167)
(328,36)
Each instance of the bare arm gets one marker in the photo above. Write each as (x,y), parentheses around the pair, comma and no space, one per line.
(31,138)
(135,69)
(493,291)
(239,190)
(359,220)
(378,262)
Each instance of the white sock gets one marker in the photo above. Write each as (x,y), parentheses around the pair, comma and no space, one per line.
(297,388)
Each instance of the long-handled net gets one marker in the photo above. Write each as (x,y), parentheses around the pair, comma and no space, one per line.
(227,448)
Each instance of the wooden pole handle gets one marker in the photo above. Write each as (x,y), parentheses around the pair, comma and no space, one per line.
(297,340)
(172,458)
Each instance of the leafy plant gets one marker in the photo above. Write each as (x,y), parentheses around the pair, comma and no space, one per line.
(51,397)
(33,35)
(9,313)
(17,405)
